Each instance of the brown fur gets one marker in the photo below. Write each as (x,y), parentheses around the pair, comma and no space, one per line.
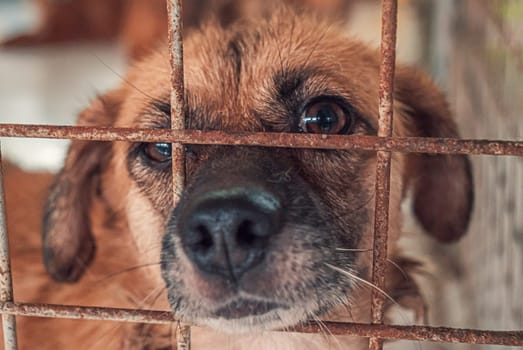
(140,24)
(108,209)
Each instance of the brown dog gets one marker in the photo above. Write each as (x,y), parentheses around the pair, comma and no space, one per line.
(262,238)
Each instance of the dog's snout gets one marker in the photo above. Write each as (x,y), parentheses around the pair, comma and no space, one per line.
(227,232)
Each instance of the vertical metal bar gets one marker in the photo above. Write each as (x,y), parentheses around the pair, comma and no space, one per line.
(6,283)
(383,166)
(174,10)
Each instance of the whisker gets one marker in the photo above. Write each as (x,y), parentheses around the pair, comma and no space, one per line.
(126,81)
(402,271)
(357,250)
(325,331)
(362,280)
(364,204)
(363,250)
(156,292)
(130,269)
(371,285)
(104,335)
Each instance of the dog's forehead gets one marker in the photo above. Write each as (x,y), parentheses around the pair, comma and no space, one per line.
(229,73)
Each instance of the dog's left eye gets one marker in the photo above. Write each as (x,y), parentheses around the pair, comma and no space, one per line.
(158,152)
(325,118)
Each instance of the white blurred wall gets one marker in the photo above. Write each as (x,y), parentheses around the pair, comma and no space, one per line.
(48,85)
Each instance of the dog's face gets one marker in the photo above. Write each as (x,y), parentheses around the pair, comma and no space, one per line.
(262,237)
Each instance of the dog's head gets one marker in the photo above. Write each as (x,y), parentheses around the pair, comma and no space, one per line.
(262,237)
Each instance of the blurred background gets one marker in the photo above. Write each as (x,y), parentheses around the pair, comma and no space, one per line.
(472,48)
(48,84)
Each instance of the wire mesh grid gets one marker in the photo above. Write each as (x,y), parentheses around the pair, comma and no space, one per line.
(383,144)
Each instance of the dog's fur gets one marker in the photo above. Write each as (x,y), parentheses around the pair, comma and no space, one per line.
(252,76)
(140,23)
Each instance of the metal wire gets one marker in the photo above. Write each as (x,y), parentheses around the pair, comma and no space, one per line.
(174,11)
(6,282)
(383,164)
(418,333)
(384,144)
(341,142)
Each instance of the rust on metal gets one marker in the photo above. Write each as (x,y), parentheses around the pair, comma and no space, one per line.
(88,313)
(415,333)
(384,144)
(383,165)
(389,21)
(282,140)
(183,337)
(381,228)
(174,10)
(6,282)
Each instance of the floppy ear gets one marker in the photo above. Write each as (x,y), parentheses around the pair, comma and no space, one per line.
(403,288)
(442,184)
(68,243)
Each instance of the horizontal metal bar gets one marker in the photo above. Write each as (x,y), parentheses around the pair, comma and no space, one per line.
(417,333)
(87,313)
(342,142)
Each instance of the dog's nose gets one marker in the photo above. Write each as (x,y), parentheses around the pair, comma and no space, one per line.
(228,232)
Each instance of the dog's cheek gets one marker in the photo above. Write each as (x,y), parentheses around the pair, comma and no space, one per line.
(344,181)
(146,226)
(338,171)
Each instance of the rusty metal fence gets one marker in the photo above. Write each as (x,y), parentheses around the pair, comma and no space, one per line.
(383,144)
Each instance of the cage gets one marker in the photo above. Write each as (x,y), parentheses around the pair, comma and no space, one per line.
(474,50)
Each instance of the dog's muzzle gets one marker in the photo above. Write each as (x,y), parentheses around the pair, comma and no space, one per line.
(241,247)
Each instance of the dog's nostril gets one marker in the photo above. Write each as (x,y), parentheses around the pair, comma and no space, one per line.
(250,234)
(244,235)
(203,241)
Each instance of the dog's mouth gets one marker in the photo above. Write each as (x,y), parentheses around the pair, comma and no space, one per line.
(245,314)
(242,307)
(242,255)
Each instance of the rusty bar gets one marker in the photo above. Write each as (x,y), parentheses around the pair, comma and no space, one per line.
(381,228)
(415,333)
(282,140)
(383,164)
(87,313)
(174,10)
(6,282)
(389,19)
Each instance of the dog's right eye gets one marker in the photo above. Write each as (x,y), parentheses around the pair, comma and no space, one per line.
(158,152)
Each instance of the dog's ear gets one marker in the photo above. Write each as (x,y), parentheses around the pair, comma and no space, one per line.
(68,243)
(442,184)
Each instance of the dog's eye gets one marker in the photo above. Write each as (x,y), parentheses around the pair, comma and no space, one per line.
(325,118)
(158,152)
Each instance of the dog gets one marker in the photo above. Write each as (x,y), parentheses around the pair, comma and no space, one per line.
(262,239)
